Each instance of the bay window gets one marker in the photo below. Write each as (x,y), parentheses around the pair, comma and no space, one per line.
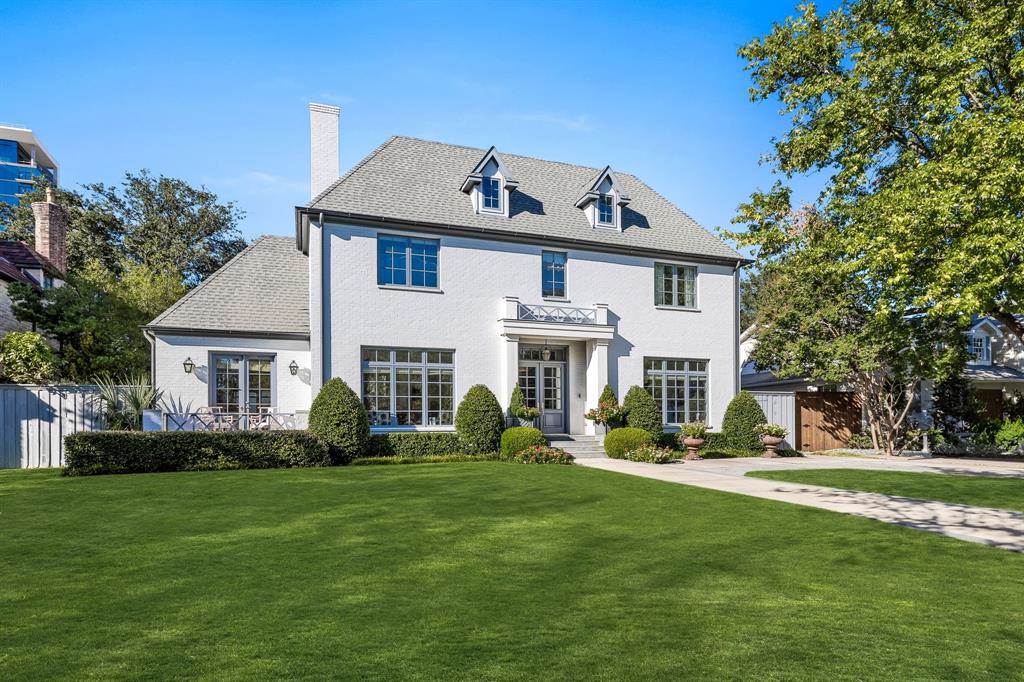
(409,386)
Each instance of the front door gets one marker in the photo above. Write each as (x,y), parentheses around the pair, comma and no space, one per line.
(542,384)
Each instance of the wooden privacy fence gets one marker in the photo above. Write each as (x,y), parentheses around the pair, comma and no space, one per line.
(35,419)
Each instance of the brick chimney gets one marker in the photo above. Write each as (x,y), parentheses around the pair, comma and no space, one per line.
(323,147)
(51,230)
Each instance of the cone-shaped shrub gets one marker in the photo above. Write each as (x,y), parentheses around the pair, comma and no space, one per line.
(643,412)
(739,426)
(517,402)
(479,421)
(339,418)
(608,396)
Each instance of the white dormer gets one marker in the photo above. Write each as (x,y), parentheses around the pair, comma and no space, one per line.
(603,200)
(979,342)
(490,185)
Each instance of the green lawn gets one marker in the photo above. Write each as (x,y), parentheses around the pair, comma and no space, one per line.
(481,571)
(982,491)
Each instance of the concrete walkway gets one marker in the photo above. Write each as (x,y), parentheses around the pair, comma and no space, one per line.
(995,527)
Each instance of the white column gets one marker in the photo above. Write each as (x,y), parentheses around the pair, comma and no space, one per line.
(510,369)
(597,375)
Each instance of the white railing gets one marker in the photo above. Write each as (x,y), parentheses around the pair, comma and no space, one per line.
(233,421)
(557,313)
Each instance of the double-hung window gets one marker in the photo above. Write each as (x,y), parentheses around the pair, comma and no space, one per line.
(679,387)
(981,348)
(605,210)
(490,188)
(242,383)
(409,386)
(553,274)
(675,285)
(403,261)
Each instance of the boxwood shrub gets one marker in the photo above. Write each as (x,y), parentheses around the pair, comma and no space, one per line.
(739,425)
(642,412)
(132,452)
(620,441)
(479,421)
(411,445)
(731,453)
(518,438)
(338,416)
(430,459)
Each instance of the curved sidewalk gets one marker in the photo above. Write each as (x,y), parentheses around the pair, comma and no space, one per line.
(994,527)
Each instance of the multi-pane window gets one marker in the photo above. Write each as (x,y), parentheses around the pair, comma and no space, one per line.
(491,190)
(981,348)
(553,274)
(538,353)
(243,383)
(409,386)
(404,261)
(605,210)
(680,387)
(675,285)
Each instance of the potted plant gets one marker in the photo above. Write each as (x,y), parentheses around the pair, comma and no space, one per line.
(692,436)
(606,416)
(520,411)
(772,436)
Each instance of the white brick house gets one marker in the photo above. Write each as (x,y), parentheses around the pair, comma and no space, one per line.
(434,267)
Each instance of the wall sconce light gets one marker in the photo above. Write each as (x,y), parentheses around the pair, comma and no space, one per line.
(545,354)
(188,365)
(293,368)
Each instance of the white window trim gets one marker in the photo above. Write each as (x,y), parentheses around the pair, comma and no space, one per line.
(985,358)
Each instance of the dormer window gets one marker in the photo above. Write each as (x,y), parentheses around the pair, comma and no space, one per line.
(602,201)
(606,210)
(489,185)
(981,349)
(490,188)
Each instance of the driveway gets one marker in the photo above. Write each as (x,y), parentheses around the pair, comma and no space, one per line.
(995,527)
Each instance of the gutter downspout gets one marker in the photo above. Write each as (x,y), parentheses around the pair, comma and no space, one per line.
(736,327)
(323,315)
(151,339)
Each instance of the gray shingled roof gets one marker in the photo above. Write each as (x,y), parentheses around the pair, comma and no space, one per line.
(407,179)
(264,289)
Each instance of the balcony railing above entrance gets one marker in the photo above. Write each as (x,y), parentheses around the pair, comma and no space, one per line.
(554,313)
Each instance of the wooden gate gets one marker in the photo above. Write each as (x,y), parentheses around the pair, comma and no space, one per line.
(826,420)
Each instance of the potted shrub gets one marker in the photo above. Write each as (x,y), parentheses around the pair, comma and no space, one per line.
(521,413)
(606,416)
(692,436)
(772,436)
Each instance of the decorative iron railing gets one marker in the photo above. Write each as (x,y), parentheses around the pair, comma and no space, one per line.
(557,313)
(233,421)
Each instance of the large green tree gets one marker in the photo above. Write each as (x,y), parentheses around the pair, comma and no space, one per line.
(914,112)
(133,250)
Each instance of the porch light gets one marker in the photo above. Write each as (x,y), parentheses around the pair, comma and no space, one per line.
(293,368)
(188,365)
(545,354)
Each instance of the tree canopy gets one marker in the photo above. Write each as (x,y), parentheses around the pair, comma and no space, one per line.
(915,113)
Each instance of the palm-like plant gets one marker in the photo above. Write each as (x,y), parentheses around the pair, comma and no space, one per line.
(124,398)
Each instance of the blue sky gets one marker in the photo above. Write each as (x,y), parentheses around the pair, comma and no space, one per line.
(216,93)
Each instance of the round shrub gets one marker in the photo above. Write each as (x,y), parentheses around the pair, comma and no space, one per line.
(1011,435)
(642,412)
(340,419)
(518,438)
(26,358)
(742,418)
(620,441)
(479,421)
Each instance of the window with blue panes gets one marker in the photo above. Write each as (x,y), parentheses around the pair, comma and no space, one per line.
(605,210)
(403,261)
(553,274)
(491,189)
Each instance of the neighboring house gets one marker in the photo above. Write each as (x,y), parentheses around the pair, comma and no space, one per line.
(22,159)
(41,267)
(825,416)
(431,267)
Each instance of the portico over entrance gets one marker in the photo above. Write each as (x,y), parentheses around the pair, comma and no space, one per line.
(559,357)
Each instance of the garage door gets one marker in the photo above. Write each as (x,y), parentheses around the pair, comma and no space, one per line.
(826,420)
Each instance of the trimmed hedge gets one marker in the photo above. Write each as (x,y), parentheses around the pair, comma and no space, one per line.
(715,441)
(518,438)
(133,452)
(731,453)
(430,459)
(642,412)
(620,441)
(412,445)
(540,454)
(742,417)
(479,421)
(338,416)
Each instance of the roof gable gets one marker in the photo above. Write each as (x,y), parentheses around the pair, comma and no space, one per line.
(411,180)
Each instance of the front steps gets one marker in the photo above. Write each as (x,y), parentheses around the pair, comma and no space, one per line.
(580,447)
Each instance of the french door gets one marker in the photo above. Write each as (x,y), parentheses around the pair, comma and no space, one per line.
(242,383)
(543,386)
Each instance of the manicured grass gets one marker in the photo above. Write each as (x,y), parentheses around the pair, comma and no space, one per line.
(981,491)
(480,571)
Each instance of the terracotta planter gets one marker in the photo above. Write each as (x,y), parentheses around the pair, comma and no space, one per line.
(770,444)
(692,445)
